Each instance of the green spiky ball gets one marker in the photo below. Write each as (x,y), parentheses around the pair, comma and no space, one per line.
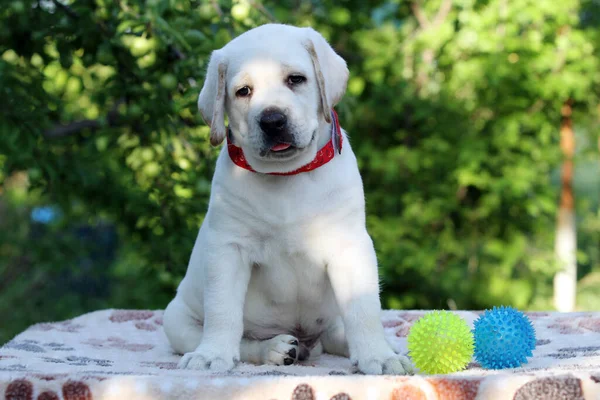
(440,343)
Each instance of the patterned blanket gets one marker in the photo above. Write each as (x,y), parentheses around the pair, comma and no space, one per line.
(124,354)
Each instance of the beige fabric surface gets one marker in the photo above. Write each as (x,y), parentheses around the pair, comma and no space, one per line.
(124,354)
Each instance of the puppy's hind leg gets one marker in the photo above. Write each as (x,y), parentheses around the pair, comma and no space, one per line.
(184,332)
(334,339)
(182,328)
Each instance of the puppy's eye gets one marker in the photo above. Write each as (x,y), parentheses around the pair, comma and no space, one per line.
(243,92)
(295,80)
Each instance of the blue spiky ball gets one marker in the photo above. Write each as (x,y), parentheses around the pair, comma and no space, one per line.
(504,338)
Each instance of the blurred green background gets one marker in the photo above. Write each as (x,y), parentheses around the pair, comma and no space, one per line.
(453,107)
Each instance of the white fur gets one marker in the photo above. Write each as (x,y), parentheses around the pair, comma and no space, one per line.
(280,255)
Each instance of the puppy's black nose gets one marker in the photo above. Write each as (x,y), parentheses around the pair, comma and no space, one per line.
(273,122)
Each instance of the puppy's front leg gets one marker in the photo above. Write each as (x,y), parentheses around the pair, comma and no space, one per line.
(352,270)
(226,279)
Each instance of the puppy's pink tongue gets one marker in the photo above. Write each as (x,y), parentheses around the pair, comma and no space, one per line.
(280,147)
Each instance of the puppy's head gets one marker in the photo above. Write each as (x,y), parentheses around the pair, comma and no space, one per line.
(277,83)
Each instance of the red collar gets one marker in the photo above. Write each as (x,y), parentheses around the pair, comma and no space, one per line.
(323,156)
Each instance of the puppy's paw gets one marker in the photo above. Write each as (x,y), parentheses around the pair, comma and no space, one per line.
(393,364)
(280,350)
(207,361)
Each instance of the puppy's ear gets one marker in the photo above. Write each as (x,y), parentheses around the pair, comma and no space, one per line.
(211,101)
(330,69)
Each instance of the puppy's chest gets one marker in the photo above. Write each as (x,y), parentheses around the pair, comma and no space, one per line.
(288,276)
(289,294)
(289,290)
(288,272)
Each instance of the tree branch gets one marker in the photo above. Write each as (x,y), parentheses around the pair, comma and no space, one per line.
(442,13)
(217,8)
(91,124)
(263,10)
(66,9)
(72,128)
(440,16)
(421,17)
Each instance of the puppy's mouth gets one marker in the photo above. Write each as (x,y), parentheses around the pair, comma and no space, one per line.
(280,152)
(283,151)
(280,147)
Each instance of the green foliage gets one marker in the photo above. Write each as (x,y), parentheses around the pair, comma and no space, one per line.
(453,108)
(457,164)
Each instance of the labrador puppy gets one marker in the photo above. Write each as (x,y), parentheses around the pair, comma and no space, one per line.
(283,267)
